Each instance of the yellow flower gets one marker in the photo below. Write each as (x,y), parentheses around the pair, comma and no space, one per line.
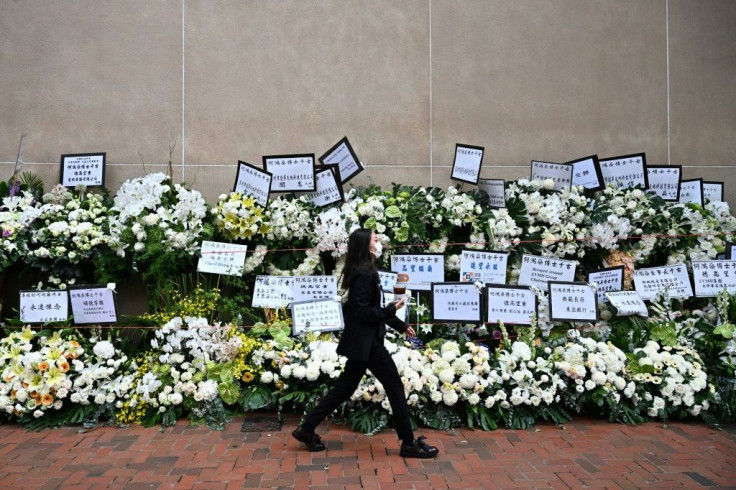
(247,377)
(26,335)
(54,377)
(47,399)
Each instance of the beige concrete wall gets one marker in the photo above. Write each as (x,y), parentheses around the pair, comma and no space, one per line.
(227,80)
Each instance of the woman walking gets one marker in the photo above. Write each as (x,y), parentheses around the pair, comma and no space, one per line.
(362,344)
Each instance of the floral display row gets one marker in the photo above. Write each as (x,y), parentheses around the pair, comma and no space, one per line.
(209,354)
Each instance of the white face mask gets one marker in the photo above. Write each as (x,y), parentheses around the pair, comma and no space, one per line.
(377,249)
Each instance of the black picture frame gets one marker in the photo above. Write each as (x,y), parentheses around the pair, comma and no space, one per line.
(482,183)
(335,170)
(329,157)
(687,181)
(242,164)
(459,147)
(730,250)
(596,169)
(642,156)
(487,299)
(554,318)
(276,188)
(455,320)
(714,183)
(65,171)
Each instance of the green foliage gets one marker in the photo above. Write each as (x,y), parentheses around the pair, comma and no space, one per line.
(368,419)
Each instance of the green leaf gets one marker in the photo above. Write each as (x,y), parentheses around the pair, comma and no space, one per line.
(229,392)
(725,329)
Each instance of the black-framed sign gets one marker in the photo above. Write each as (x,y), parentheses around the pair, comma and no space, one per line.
(467,163)
(253,181)
(572,302)
(222,258)
(483,266)
(710,277)
(419,270)
(329,189)
(319,315)
(587,172)
(94,303)
(314,287)
(455,302)
(496,190)
(730,250)
(625,171)
(44,306)
(673,280)
(712,191)
(538,271)
(510,305)
(691,191)
(664,180)
(291,173)
(343,155)
(83,169)
(560,173)
(608,279)
(627,303)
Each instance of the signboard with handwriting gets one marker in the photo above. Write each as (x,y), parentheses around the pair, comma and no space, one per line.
(44,306)
(455,302)
(672,280)
(572,302)
(342,154)
(627,303)
(691,191)
(319,315)
(253,181)
(625,171)
(510,305)
(665,181)
(587,172)
(560,173)
(713,276)
(83,169)
(291,173)
(93,304)
(222,258)
(496,190)
(486,267)
(421,270)
(468,160)
(713,191)
(314,287)
(273,291)
(538,271)
(329,189)
(609,279)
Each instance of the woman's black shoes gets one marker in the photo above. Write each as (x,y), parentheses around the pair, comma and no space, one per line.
(418,449)
(311,440)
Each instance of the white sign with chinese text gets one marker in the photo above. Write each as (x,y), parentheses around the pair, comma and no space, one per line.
(713,191)
(222,258)
(627,303)
(314,287)
(44,306)
(320,315)
(610,279)
(254,182)
(538,271)
(560,173)
(486,267)
(665,181)
(388,279)
(455,302)
(93,305)
(273,291)
(625,171)
(691,191)
(468,160)
(586,172)
(420,270)
(713,276)
(83,168)
(672,280)
(342,154)
(328,188)
(510,305)
(572,302)
(291,173)
(496,190)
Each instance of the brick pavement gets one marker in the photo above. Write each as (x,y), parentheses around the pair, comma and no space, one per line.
(584,453)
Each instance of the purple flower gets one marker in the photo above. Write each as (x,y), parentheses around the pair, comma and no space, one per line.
(496,335)
(14,188)
(7,233)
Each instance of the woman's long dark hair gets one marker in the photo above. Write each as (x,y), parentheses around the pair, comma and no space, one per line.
(359,256)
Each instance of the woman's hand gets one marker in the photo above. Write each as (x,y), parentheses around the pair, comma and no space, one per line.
(399,303)
(410,333)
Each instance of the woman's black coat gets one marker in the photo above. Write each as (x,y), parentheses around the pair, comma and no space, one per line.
(365,318)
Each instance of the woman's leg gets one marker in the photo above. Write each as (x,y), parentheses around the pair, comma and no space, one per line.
(383,368)
(344,387)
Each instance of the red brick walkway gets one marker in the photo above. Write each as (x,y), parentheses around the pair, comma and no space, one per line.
(585,453)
